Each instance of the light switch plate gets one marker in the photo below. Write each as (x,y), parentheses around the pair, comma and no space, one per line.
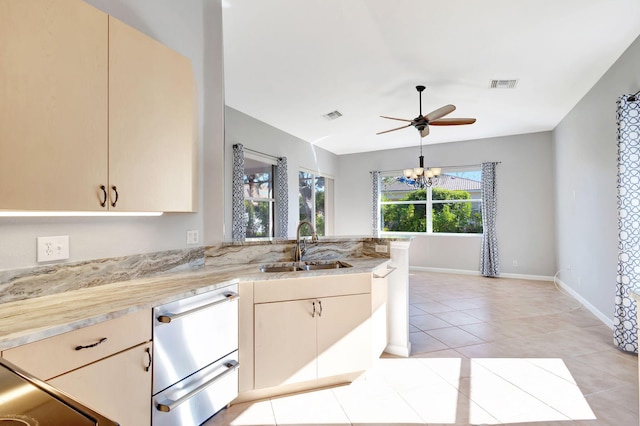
(52,248)
(193,237)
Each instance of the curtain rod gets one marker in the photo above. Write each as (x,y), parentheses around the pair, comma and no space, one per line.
(253,151)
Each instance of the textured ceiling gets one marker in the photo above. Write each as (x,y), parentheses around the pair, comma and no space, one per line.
(289,62)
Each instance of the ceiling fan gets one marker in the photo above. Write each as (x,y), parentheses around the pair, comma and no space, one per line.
(434,118)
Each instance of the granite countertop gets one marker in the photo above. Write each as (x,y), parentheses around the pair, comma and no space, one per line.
(33,319)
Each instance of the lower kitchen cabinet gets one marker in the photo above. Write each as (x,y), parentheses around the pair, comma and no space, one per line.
(285,343)
(118,386)
(323,330)
(106,366)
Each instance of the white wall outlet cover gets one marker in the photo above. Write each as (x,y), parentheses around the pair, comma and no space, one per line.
(381,248)
(52,248)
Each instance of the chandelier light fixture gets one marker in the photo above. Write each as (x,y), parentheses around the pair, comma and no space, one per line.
(419,177)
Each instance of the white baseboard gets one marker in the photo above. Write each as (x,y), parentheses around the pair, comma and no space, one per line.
(602,317)
(399,350)
(467,272)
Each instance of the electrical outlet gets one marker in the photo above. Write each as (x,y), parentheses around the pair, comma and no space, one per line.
(515,263)
(193,237)
(52,248)
(381,248)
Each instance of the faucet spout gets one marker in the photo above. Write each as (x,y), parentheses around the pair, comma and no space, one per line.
(299,252)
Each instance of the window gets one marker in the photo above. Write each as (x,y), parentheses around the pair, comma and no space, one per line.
(451,205)
(259,200)
(316,201)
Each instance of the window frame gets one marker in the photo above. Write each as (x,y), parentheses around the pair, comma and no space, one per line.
(428,202)
(329,185)
(271,200)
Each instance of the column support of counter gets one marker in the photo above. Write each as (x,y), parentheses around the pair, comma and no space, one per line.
(399,343)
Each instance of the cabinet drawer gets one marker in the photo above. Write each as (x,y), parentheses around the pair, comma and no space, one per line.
(56,355)
(310,287)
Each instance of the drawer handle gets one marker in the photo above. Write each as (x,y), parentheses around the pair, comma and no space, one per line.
(170,317)
(169,404)
(104,339)
(313,314)
(320,304)
(389,271)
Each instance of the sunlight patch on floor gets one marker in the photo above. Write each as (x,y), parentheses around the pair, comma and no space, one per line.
(517,390)
(422,391)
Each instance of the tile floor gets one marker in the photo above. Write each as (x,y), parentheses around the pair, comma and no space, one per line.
(484,351)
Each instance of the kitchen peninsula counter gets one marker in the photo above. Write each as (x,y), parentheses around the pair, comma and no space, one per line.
(36,318)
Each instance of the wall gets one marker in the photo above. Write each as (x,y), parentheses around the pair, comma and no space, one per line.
(585,146)
(259,136)
(525,221)
(194,29)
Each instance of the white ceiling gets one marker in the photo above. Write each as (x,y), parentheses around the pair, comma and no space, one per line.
(289,62)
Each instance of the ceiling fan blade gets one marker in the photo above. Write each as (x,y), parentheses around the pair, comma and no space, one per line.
(440,112)
(397,128)
(424,132)
(399,119)
(452,121)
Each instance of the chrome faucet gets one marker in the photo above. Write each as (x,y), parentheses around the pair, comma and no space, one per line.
(297,256)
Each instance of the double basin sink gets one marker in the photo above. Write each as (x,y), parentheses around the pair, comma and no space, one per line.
(310,265)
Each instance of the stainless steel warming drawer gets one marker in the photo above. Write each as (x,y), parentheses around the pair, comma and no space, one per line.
(195,346)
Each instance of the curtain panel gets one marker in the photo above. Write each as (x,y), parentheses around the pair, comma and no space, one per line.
(625,327)
(239,227)
(375,203)
(282,198)
(489,257)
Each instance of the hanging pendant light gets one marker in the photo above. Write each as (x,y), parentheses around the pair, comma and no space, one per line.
(419,177)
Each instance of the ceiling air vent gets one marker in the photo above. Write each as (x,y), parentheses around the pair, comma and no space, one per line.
(333,115)
(503,84)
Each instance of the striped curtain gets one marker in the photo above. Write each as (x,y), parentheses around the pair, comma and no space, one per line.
(375,201)
(282,197)
(489,257)
(625,327)
(239,231)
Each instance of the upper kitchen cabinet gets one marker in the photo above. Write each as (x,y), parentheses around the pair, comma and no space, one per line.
(152,150)
(53,105)
(94,115)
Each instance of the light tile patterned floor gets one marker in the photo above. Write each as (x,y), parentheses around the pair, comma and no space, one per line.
(484,351)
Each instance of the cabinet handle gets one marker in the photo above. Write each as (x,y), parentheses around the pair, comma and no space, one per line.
(93,345)
(313,314)
(148,351)
(169,404)
(104,194)
(116,200)
(389,271)
(320,304)
(230,297)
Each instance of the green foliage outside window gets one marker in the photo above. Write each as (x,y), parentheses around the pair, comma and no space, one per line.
(453,217)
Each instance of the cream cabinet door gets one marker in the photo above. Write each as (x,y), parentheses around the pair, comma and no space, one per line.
(344,334)
(152,150)
(118,386)
(53,105)
(284,343)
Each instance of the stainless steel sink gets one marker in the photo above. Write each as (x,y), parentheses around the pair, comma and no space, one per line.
(332,264)
(310,265)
